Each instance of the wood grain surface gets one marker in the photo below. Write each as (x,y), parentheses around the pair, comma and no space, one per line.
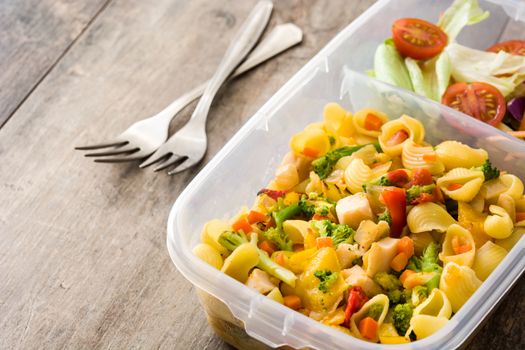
(83,260)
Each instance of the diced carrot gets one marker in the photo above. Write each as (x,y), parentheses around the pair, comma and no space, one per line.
(406,245)
(292,301)
(399,262)
(255,216)
(460,247)
(421,176)
(423,198)
(399,137)
(280,258)
(520,216)
(404,275)
(373,122)
(368,328)
(268,247)
(430,157)
(242,224)
(454,186)
(319,217)
(323,242)
(310,152)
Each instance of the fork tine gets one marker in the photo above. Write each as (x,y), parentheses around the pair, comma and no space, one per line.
(174,158)
(102,145)
(154,158)
(129,158)
(186,164)
(122,150)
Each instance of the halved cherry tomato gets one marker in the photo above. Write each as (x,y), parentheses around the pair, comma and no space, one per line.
(421,176)
(417,38)
(479,100)
(423,198)
(356,299)
(398,137)
(398,177)
(514,47)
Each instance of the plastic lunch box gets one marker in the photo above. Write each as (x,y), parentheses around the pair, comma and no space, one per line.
(249,320)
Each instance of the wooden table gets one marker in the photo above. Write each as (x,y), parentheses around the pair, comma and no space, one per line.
(83,260)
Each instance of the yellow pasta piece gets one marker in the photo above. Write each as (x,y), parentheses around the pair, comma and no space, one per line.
(470,182)
(458,246)
(455,154)
(473,221)
(296,230)
(437,304)
(425,325)
(427,217)
(311,142)
(510,241)
(410,126)
(417,156)
(514,185)
(458,283)
(338,121)
(360,121)
(508,203)
(499,225)
(356,174)
(211,233)
(492,189)
(239,263)
(275,294)
(379,299)
(487,259)
(286,177)
(208,254)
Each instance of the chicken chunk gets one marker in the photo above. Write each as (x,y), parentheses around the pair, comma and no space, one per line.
(353,209)
(261,281)
(357,277)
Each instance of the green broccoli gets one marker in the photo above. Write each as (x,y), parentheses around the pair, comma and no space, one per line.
(279,237)
(398,296)
(326,279)
(324,165)
(385,217)
(401,316)
(307,208)
(387,281)
(415,191)
(231,240)
(286,213)
(419,294)
(340,233)
(375,311)
(490,172)
(428,263)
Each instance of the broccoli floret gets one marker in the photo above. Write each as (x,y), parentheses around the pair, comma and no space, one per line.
(279,237)
(385,217)
(375,311)
(322,210)
(307,208)
(401,316)
(488,170)
(415,191)
(340,233)
(231,240)
(324,165)
(399,296)
(428,263)
(419,294)
(332,140)
(387,281)
(326,279)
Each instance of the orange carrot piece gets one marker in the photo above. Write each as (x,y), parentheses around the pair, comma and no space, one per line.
(255,216)
(373,122)
(399,262)
(319,217)
(368,328)
(323,242)
(430,157)
(520,216)
(404,275)
(242,224)
(268,247)
(406,245)
(460,247)
(292,301)
(453,187)
(310,152)
(280,258)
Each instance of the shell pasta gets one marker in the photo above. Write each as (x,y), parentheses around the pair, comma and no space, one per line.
(367,228)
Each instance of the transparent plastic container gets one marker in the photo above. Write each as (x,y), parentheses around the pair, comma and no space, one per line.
(249,320)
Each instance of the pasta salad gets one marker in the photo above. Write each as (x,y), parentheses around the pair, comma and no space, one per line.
(369,229)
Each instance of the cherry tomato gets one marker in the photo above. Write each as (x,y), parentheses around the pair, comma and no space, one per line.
(421,176)
(418,39)
(479,100)
(514,47)
(398,177)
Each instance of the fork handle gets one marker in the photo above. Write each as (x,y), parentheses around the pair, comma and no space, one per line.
(240,46)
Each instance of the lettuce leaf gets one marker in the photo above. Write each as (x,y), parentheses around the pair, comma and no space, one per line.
(460,14)
(502,70)
(390,67)
(430,78)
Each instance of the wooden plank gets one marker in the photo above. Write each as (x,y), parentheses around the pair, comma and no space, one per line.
(82,256)
(34,34)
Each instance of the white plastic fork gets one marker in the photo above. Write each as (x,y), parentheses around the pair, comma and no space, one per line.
(144,137)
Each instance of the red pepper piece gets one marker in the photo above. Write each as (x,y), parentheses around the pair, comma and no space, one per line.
(396,204)
(272,193)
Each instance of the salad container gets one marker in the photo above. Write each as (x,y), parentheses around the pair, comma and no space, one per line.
(249,320)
